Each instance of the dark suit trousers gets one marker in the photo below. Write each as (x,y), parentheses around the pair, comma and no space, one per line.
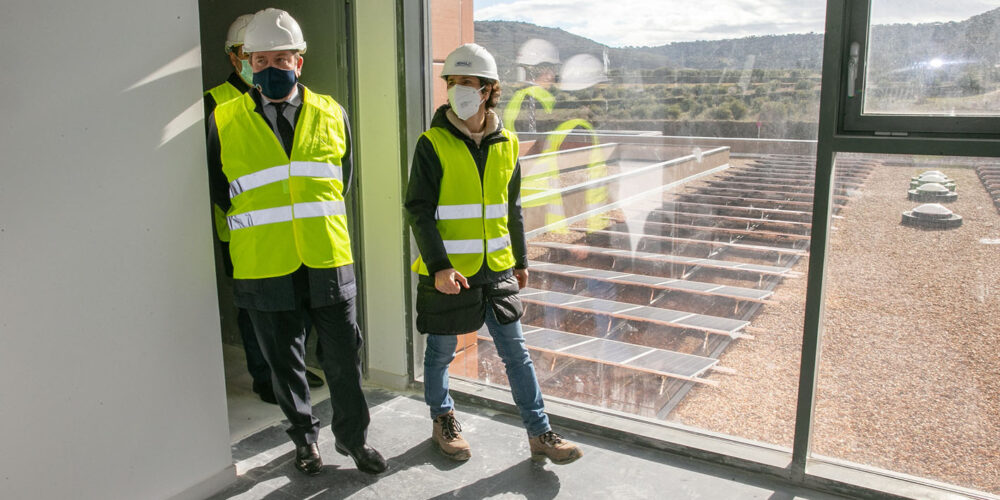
(282,335)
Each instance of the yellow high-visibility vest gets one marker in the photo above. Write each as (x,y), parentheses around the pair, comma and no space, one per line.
(285,212)
(472,214)
(222,93)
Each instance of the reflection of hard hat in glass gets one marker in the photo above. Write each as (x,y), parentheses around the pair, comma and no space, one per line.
(537,51)
(582,71)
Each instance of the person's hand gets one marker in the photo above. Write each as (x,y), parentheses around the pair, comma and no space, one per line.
(522,278)
(450,281)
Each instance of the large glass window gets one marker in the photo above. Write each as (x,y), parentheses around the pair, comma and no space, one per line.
(667,191)
(905,382)
(669,170)
(922,67)
(933,58)
(908,379)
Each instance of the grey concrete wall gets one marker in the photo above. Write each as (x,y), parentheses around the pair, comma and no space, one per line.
(111,373)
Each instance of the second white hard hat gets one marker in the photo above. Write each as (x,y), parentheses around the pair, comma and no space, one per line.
(237,30)
(470,60)
(273,29)
(537,51)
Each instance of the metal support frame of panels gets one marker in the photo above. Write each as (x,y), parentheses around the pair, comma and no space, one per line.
(632,312)
(673,260)
(672,364)
(654,282)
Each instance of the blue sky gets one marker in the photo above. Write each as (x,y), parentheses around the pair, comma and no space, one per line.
(656,22)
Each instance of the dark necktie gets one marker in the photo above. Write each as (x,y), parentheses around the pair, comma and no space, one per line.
(284,128)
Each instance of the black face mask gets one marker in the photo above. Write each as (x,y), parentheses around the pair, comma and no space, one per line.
(274,83)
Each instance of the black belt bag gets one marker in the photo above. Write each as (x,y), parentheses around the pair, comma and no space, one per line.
(505,301)
(442,314)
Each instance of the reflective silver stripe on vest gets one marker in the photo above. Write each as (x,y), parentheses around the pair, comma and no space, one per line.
(494,244)
(258,179)
(319,209)
(316,169)
(448,212)
(260,217)
(496,211)
(281,172)
(470,211)
(476,246)
(463,246)
(284,214)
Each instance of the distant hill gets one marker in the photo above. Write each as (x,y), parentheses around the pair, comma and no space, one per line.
(907,45)
(976,38)
(797,51)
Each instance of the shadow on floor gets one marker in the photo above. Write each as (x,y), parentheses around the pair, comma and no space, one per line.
(500,466)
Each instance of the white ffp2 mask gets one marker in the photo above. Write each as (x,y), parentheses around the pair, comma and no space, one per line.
(464,100)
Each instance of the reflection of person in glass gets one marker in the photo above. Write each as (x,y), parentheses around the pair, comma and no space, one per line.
(537,64)
(280,164)
(463,202)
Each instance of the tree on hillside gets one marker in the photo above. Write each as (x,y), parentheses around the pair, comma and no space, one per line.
(721,113)
(772,112)
(738,110)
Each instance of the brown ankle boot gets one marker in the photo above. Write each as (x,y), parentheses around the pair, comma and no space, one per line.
(449,441)
(552,446)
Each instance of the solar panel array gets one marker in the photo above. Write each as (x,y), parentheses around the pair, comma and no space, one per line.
(625,310)
(700,243)
(612,352)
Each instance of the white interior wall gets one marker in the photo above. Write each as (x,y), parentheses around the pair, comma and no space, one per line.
(111,373)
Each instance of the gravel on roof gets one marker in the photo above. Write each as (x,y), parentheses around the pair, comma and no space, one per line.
(909,378)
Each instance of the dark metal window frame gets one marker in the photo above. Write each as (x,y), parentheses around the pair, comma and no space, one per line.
(414,47)
(844,129)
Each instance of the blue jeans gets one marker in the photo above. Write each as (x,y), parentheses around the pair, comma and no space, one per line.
(509,343)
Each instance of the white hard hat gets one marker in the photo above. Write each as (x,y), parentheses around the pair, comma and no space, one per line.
(236,31)
(273,29)
(582,71)
(470,60)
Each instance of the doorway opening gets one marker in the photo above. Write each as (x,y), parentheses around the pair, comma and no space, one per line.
(326,27)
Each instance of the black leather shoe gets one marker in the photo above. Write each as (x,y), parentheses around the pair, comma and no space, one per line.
(266,392)
(307,459)
(313,380)
(365,457)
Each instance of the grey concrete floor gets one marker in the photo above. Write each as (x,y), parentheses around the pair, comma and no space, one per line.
(500,466)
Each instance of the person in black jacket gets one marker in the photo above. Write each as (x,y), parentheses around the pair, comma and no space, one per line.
(235,86)
(280,165)
(463,203)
